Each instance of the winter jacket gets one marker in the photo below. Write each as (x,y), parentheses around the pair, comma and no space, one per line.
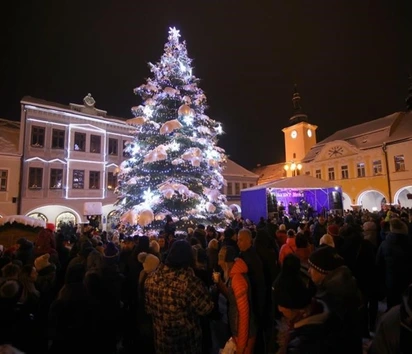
(175,298)
(241,318)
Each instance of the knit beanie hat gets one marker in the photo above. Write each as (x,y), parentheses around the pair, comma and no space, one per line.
(42,262)
(150,261)
(111,251)
(180,255)
(289,289)
(333,230)
(327,240)
(325,259)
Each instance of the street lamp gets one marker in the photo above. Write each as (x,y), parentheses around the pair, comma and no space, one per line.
(294,167)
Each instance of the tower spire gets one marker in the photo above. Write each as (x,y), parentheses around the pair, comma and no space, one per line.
(297,108)
(298,114)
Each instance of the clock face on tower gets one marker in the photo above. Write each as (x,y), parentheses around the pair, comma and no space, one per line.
(294,134)
(335,151)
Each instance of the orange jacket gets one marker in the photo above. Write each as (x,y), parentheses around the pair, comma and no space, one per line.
(287,248)
(240,289)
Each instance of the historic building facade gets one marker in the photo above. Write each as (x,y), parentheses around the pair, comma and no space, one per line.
(10,160)
(69,161)
(372,161)
(69,156)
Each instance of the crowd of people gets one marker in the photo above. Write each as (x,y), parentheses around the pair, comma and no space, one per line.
(276,286)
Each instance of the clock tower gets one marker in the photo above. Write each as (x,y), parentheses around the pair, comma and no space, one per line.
(300,136)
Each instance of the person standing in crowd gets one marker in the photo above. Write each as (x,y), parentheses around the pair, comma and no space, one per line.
(304,325)
(394,261)
(393,335)
(238,292)
(338,289)
(175,298)
(257,281)
(319,230)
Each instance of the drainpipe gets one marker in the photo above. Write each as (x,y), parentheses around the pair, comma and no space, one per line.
(22,131)
(388,178)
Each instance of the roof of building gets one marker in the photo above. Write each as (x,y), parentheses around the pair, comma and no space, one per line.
(234,169)
(9,137)
(296,182)
(269,172)
(82,109)
(388,129)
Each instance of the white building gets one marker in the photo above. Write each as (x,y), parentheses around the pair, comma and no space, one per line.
(69,155)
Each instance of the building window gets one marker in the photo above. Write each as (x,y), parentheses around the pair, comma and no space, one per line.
(345,172)
(360,167)
(318,174)
(399,163)
(94,179)
(95,143)
(377,167)
(331,173)
(244,185)
(229,188)
(58,139)
(37,136)
(113,146)
(78,179)
(35,178)
(3,180)
(56,177)
(237,188)
(79,142)
(125,144)
(251,184)
(111,181)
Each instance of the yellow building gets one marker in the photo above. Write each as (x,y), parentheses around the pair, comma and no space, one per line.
(372,161)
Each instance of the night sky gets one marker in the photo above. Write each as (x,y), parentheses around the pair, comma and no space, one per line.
(350,59)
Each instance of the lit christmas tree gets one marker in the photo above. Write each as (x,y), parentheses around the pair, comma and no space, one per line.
(174,166)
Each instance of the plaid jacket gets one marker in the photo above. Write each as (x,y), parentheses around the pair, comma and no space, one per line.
(175,298)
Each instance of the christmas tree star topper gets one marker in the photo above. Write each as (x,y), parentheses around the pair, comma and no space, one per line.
(174,33)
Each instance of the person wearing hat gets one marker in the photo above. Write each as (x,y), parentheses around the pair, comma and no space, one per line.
(394,260)
(319,230)
(338,241)
(304,327)
(281,235)
(326,240)
(175,298)
(338,289)
(238,292)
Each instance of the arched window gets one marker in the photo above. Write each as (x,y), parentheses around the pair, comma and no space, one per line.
(65,218)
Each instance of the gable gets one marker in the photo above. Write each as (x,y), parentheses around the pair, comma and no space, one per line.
(336,150)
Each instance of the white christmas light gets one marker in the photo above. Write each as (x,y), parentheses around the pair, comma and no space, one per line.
(188,119)
(174,33)
(148,111)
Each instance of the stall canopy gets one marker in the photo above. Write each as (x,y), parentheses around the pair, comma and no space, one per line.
(320,195)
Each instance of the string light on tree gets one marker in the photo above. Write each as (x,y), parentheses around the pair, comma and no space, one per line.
(174,161)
